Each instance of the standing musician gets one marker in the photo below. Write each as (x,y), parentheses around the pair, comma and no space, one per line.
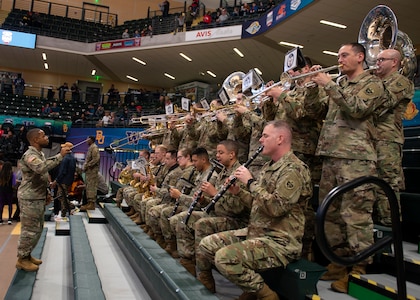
(229,212)
(347,145)
(273,236)
(390,135)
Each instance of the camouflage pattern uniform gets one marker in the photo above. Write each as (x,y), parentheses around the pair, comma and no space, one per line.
(32,193)
(255,124)
(170,139)
(162,199)
(209,134)
(140,199)
(169,226)
(390,140)
(189,174)
(241,135)
(347,144)
(274,234)
(229,213)
(185,138)
(91,170)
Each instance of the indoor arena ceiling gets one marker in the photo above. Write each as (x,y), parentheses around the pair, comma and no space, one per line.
(263,51)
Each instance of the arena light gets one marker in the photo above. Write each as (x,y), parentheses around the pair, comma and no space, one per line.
(258,71)
(44,56)
(169,76)
(238,52)
(341,26)
(139,61)
(132,78)
(46,66)
(185,56)
(290,44)
(93,72)
(211,74)
(330,53)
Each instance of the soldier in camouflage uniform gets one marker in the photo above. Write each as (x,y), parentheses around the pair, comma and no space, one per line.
(273,236)
(161,195)
(347,145)
(305,129)
(91,170)
(229,212)
(32,195)
(169,219)
(182,183)
(390,136)
(184,135)
(209,132)
(156,172)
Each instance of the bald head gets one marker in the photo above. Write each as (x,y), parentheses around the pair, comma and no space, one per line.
(388,61)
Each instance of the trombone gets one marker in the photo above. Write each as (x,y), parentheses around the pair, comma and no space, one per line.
(153,119)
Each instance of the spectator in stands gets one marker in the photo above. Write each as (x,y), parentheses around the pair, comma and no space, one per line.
(22,140)
(207,19)
(150,31)
(26,19)
(75,93)
(125,34)
(90,111)
(254,8)
(50,93)
(7,183)
(112,120)
(113,95)
(245,9)
(179,23)
(100,112)
(46,110)
(105,118)
(236,13)
(36,20)
(189,18)
(137,34)
(19,85)
(7,85)
(62,91)
(164,7)
(270,4)
(124,117)
(195,5)
(79,119)
(55,110)
(224,16)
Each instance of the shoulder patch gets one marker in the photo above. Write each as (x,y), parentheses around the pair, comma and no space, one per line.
(31,158)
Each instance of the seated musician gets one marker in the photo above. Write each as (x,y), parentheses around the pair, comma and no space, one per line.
(273,237)
(75,192)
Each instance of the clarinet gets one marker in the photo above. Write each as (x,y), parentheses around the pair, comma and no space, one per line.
(232,180)
(182,192)
(215,165)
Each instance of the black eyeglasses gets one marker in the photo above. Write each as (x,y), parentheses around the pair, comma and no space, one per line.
(382,59)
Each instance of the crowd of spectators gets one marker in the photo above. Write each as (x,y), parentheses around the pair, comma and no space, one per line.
(13,142)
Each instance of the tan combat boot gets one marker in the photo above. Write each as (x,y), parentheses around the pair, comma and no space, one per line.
(267,294)
(171,248)
(35,261)
(342,285)
(131,211)
(160,240)
(334,272)
(89,206)
(134,216)
(206,278)
(189,265)
(24,263)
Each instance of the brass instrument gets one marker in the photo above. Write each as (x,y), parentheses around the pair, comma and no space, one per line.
(379,31)
(125,177)
(146,186)
(156,119)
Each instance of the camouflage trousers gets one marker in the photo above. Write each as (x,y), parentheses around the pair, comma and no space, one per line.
(122,193)
(390,169)
(155,214)
(239,259)
(137,199)
(168,231)
(200,225)
(146,205)
(348,224)
(62,194)
(91,185)
(314,163)
(32,223)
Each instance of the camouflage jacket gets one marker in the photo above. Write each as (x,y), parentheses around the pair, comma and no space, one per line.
(209,134)
(35,174)
(240,134)
(170,179)
(388,117)
(92,158)
(256,124)
(279,198)
(348,130)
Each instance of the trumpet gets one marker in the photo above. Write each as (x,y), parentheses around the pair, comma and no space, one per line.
(153,119)
(286,81)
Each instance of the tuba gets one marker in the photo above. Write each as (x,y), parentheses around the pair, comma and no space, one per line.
(379,31)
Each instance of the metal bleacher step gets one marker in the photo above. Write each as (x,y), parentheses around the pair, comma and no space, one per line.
(62,227)
(96,216)
(411,260)
(379,286)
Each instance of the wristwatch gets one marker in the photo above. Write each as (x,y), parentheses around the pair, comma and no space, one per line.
(248,184)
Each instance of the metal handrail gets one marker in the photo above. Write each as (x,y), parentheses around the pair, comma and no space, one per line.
(396,230)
